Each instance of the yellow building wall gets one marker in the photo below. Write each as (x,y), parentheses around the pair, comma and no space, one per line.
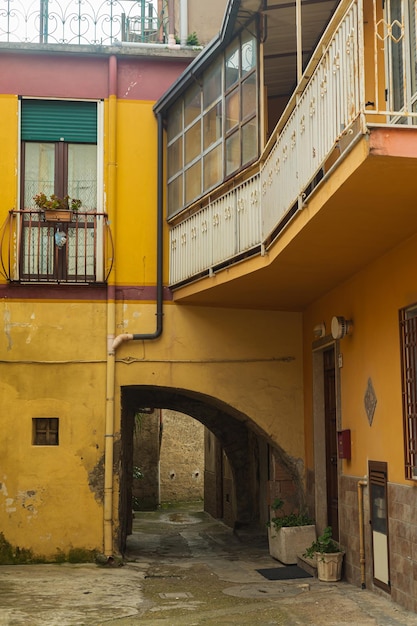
(135,222)
(53,357)
(372,299)
(251,360)
(9,157)
(52,365)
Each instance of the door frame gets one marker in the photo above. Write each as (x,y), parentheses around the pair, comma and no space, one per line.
(319,434)
(378,477)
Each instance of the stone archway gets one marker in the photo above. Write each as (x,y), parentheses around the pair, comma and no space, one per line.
(240,439)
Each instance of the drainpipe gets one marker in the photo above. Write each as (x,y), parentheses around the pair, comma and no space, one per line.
(111,318)
(114,343)
(361,485)
(159,252)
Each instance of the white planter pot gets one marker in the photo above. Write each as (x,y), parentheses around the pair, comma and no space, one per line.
(329,566)
(286,542)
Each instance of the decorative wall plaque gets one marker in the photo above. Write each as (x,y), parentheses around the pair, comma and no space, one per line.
(370,401)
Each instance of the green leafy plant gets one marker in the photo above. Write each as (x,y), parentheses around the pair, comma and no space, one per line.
(323,544)
(192,39)
(293,519)
(54,202)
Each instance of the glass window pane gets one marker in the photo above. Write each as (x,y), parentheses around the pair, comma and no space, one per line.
(212,125)
(175,157)
(232,64)
(39,171)
(38,250)
(174,120)
(193,182)
(212,84)
(232,109)
(193,142)
(175,199)
(379,508)
(82,174)
(232,153)
(249,141)
(248,53)
(212,167)
(192,104)
(81,251)
(249,96)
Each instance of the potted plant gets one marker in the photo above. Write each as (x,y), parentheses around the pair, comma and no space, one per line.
(56,208)
(288,535)
(328,556)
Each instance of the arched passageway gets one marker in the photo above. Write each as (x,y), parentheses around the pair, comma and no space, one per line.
(247,449)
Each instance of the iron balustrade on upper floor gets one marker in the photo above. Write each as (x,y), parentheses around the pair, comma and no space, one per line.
(97,22)
(340,96)
(77,249)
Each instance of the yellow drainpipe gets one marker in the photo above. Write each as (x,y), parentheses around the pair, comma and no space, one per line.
(111,316)
(361,485)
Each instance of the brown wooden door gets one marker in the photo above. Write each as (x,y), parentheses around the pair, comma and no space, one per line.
(331,441)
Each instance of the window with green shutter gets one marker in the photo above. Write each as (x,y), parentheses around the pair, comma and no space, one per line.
(59,156)
(59,150)
(59,120)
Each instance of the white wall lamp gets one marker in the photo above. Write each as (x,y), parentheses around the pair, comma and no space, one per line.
(319,330)
(341,327)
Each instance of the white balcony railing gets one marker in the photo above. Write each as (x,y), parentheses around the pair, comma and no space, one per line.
(227,227)
(322,111)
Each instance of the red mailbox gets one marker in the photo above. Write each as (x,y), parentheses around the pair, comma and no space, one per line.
(343,444)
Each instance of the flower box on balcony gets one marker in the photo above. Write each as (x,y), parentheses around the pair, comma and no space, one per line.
(58,215)
(57,209)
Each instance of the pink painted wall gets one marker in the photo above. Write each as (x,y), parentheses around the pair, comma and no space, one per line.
(74,76)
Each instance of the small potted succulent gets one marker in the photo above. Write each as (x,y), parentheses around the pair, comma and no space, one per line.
(56,208)
(328,556)
(289,535)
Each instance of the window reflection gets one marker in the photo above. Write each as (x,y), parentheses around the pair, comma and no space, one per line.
(202,148)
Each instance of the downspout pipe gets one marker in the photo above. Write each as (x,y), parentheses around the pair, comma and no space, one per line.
(115,342)
(159,251)
(111,320)
(361,485)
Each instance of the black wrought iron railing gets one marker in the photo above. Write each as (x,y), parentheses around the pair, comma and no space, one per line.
(76,247)
(96,22)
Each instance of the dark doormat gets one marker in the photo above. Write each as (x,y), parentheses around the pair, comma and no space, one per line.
(287,572)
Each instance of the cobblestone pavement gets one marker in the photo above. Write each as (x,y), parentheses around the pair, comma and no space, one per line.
(182,568)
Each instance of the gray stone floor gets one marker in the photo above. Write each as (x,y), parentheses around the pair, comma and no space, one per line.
(183,568)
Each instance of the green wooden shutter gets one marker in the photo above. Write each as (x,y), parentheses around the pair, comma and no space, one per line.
(59,120)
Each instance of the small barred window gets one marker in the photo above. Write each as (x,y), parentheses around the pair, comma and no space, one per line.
(45,431)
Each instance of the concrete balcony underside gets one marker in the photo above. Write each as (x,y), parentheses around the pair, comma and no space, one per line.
(363,207)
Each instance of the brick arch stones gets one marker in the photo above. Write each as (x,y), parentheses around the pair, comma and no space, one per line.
(235,431)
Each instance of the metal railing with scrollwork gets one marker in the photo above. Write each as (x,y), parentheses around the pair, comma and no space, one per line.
(36,249)
(94,22)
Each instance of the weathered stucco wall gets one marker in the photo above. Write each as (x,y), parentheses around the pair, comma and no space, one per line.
(54,340)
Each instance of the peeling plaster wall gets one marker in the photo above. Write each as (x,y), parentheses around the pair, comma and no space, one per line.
(51,496)
(53,339)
